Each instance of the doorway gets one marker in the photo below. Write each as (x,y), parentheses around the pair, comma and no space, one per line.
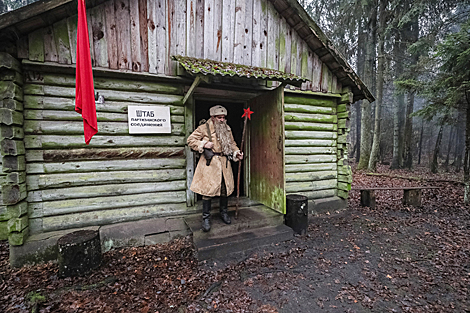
(235,121)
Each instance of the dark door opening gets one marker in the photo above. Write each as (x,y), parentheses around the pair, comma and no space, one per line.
(235,121)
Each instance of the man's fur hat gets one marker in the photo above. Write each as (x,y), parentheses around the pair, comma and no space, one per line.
(218,110)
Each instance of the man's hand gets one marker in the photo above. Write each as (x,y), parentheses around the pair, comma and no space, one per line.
(240,155)
(209,145)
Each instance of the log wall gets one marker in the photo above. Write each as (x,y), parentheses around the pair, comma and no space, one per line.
(311,138)
(117,177)
(142,35)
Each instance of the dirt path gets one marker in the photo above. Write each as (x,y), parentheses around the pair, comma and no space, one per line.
(392,259)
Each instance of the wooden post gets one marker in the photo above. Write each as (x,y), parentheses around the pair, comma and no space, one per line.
(412,197)
(368,198)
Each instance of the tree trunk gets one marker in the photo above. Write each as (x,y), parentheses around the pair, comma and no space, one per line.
(398,108)
(360,71)
(408,136)
(420,148)
(449,148)
(466,163)
(374,156)
(434,163)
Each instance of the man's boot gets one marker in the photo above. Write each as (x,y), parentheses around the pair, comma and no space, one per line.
(206,215)
(223,210)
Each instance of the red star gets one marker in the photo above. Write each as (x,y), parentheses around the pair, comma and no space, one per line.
(247,113)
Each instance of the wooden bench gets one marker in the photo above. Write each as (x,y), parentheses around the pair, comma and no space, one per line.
(411,195)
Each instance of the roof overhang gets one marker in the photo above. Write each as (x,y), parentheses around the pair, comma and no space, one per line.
(205,67)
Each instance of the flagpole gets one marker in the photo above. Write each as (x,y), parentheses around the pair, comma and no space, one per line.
(246,115)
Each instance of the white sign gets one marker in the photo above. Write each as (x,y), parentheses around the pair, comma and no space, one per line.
(144,119)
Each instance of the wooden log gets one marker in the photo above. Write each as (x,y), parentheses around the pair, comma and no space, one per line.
(309,150)
(12,147)
(318,194)
(61,142)
(295,168)
(68,206)
(17,224)
(35,182)
(310,176)
(310,143)
(8,212)
(68,104)
(104,154)
(310,186)
(106,217)
(105,190)
(13,193)
(11,132)
(79,253)
(309,117)
(11,75)
(13,164)
(18,238)
(15,178)
(7,61)
(109,95)
(300,159)
(73,116)
(299,108)
(308,126)
(296,134)
(314,101)
(11,104)
(99,166)
(76,128)
(10,90)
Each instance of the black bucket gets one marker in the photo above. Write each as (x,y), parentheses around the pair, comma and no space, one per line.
(297,213)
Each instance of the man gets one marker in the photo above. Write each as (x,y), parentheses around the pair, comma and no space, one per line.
(213,176)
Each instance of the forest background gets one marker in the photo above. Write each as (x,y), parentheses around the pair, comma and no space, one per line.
(414,56)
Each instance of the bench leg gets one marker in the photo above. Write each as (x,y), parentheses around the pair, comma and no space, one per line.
(368,198)
(412,197)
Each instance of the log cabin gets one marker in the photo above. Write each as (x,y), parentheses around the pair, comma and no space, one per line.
(178,57)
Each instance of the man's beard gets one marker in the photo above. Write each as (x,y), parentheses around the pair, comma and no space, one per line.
(222,133)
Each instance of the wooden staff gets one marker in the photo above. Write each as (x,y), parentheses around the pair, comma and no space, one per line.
(246,115)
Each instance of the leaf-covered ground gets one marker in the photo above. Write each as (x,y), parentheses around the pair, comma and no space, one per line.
(390,259)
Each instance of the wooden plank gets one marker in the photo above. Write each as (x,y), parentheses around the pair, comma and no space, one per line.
(317,101)
(324,80)
(263,41)
(152,35)
(90,37)
(161,24)
(306,117)
(247,47)
(228,29)
(256,33)
(294,57)
(209,46)
(105,190)
(61,37)
(308,159)
(108,166)
(180,23)
(239,31)
(297,134)
(111,34)
(288,53)
(310,150)
(121,8)
(59,142)
(271,43)
(22,47)
(143,33)
(108,216)
(319,194)
(282,44)
(46,181)
(136,53)
(217,7)
(50,50)
(310,126)
(311,176)
(36,45)
(41,127)
(316,75)
(72,31)
(73,116)
(296,168)
(309,69)
(200,12)
(311,185)
(98,30)
(89,154)
(68,206)
(191,28)
(310,143)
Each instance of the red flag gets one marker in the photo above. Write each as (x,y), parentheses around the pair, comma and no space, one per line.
(84,91)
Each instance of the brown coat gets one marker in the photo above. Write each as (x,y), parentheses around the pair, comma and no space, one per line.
(207,179)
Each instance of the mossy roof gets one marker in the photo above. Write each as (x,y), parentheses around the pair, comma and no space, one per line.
(196,66)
